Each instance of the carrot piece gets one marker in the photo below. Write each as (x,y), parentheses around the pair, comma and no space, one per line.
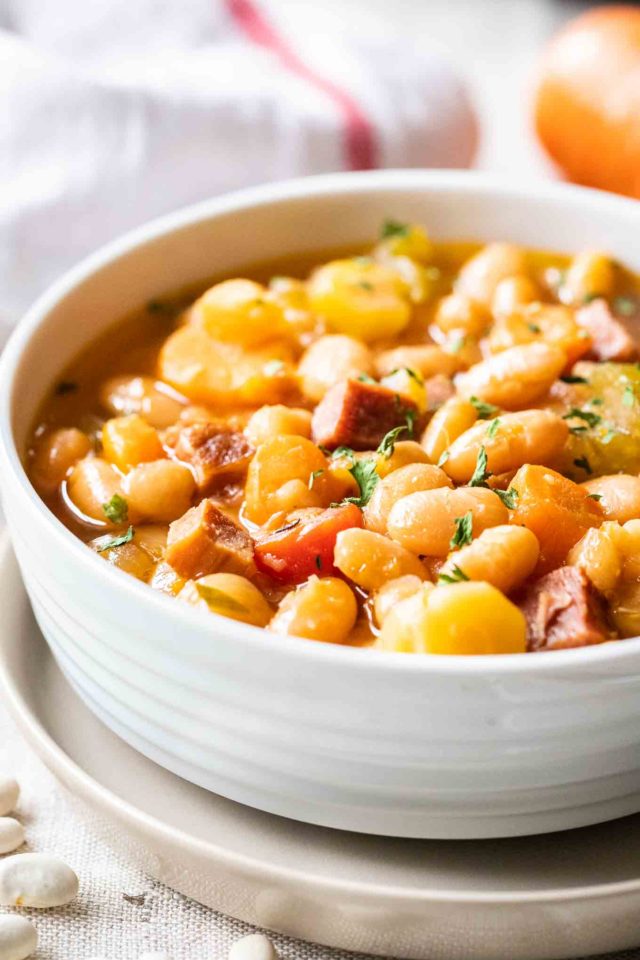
(556,509)
(298,550)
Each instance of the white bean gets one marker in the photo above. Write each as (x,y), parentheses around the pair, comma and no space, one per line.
(18,937)
(11,834)
(36,880)
(9,793)
(254,947)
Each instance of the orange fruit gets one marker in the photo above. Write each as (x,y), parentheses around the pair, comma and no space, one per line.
(587,107)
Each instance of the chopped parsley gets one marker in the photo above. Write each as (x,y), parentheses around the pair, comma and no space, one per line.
(365,378)
(457,345)
(534,328)
(493,428)
(625,306)
(456,576)
(480,474)
(412,373)
(589,417)
(394,228)
(117,541)
(365,285)
(65,387)
(509,497)
(365,474)
(485,410)
(410,417)
(116,510)
(464,531)
(388,442)
(570,378)
(594,496)
(583,464)
(343,451)
(590,297)
(628,396)
(313,476)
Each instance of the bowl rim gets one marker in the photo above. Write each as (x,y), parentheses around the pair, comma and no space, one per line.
(458,183)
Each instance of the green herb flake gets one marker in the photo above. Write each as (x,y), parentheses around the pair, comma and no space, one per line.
(626,306)
(485,410)
(590,418)
(313,476)
(388,442)
(509,497)
(116,510)
(443,458)
(365,474)
(570,378)
(628,396)
(411,373)
(365,378)
(410,418)
(590,297)
(343,451)
(596,401)
(480,474)
(273,368)
(394,228)
(456,576)
(583,464)
(594,496)
(534,328)
(464,531)
(493,428)
(365,285)
(117,541)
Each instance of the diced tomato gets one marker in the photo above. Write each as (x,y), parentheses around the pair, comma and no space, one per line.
(298,550)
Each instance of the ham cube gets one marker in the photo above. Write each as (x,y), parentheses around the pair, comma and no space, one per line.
(204,540)
(611,338)
(358,415)
(562,609)
(214,453)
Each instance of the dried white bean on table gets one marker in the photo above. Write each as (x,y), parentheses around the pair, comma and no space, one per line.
(36,880)
(11,834)
(254,947)
(9,793)
(18,937)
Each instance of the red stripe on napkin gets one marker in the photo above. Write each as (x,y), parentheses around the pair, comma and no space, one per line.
(359,140)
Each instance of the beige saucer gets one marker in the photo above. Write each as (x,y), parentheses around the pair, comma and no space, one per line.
(562,895)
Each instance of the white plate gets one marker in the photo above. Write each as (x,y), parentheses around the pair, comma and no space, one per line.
(555,896)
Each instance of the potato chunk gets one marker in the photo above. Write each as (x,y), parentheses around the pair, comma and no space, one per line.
(236,311)
(360,298)
(461,618)
(224,374)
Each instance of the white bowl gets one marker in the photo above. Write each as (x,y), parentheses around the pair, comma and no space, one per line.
(356,739)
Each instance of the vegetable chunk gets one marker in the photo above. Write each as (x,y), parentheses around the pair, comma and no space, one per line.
(213,451)
(557,510)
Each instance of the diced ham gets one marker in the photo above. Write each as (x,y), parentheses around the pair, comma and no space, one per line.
(214,453)
(204,540)
(357,414)
(562,609)
(611,338)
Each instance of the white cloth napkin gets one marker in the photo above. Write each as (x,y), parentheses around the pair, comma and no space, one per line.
(115,111)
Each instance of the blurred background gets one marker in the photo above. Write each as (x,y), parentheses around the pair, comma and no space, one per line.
(116,111)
